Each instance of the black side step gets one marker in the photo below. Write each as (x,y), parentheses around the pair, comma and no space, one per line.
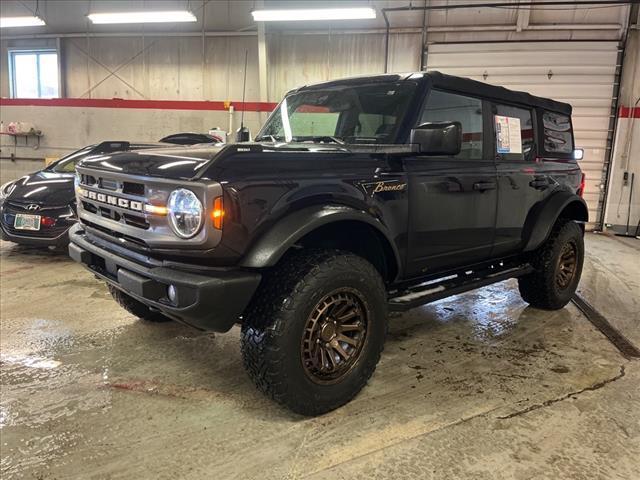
(453,285)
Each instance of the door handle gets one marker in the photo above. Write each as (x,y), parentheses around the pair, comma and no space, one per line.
(452,186)
(539,183)
(482,186)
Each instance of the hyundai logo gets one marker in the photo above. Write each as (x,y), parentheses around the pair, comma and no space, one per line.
(32,207)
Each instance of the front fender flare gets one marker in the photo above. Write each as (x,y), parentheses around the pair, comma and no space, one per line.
(544,215)
(271,246)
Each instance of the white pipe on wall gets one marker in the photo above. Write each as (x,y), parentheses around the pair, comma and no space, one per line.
(432,29)
(130,34)
(506,28)
(230,134)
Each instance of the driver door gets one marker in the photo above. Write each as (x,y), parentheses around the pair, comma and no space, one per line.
(452,199)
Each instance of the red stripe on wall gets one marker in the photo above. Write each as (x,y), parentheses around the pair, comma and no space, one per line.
(145,104)
(629,112)
(623,112)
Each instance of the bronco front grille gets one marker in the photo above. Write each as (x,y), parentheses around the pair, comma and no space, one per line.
(119,201)
(125,207)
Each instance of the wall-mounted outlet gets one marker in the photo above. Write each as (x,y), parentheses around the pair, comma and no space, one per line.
(625,179)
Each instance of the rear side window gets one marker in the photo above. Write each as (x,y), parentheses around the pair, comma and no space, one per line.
(450,107)
(557,133)
(514,133)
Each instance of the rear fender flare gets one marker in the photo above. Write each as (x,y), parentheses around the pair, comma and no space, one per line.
(544,215)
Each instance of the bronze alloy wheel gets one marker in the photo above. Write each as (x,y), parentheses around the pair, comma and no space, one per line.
(567,265)
(334,336)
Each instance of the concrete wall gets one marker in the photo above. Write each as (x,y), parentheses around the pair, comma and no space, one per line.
(10,170)
(626,153)
(297,59)
(164,69)
(68,128)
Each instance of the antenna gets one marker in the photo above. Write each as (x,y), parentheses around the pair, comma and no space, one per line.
(244,86)
(243,134)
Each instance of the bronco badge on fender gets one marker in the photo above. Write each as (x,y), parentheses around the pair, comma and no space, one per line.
(371,188)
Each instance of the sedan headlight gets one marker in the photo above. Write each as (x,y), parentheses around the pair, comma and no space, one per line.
(6,189)
(185,213)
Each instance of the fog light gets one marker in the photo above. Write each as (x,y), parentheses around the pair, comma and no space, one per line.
(172,293)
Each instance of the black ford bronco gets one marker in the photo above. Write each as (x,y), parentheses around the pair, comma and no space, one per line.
(358,197)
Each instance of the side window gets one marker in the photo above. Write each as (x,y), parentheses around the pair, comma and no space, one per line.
(557,133)
(514,133)
(451,107)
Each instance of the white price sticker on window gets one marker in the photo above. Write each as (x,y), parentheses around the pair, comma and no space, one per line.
(508,134)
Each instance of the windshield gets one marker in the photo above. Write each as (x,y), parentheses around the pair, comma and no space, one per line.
(367,113)
(68,164)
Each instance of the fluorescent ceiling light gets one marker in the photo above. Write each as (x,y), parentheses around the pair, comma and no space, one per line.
(143,17)
(313,14)
(6,22)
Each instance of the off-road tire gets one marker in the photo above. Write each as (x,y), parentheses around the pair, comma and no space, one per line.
(136,308)
(540,288)
(275,321)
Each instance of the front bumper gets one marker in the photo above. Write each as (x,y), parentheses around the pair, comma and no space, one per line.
(55,236)
(209,300)
(59,241)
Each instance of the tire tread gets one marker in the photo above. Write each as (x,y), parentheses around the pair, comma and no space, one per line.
(273,306)
(537,288)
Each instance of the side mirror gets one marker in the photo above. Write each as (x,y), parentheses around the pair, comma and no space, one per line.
(438,138)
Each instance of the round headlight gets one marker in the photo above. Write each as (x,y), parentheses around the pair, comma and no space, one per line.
(185,213)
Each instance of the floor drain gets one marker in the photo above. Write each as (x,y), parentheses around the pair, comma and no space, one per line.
(622,343)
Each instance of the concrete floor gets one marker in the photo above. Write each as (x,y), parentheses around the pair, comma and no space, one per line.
(477,386)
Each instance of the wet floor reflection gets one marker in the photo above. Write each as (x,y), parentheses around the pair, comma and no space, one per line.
(86,389)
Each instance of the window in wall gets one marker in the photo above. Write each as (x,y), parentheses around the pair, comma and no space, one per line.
(450,107)
(514,133)
(34,73)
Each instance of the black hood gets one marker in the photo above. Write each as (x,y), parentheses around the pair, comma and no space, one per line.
(174,162)
(187,163)
(44,188)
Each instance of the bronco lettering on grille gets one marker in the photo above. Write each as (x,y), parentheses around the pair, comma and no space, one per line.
(113,200)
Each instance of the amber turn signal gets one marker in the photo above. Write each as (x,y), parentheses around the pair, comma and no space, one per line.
(218,213)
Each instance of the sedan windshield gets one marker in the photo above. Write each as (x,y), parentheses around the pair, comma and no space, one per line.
(68,164)
(364,114)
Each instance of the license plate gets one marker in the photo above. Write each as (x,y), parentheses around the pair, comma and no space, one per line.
(27,222)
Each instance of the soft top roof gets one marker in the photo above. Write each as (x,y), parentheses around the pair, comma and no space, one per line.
(496,93)
(451,82)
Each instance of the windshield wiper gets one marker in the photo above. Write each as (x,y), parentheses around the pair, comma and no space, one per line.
(270,138)
(320,139)
(329,138)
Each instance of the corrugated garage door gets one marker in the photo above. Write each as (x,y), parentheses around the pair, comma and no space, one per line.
(580,73)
